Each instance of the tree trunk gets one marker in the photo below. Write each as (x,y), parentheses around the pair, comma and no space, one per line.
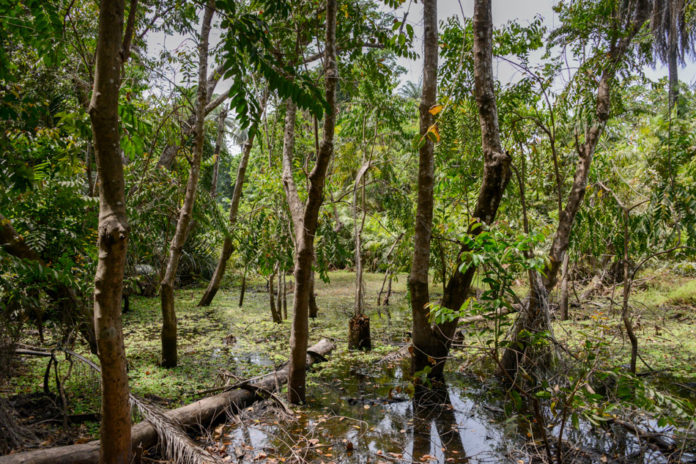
(293,198)
(169,330)
(359,325)
(218,148)
(496,175)
(304,248)
(424,339)
(113,236)
(279,292)
(313,307)
(534,317)
(243,289)
(285,298)
(275,311)
(564,289)
(625,317)
(672,55)
(227,247)
(359,333)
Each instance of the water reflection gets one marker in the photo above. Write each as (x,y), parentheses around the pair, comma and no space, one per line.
(435,429)
(368,418)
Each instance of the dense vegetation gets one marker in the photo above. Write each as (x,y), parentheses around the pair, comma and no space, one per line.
(518,226)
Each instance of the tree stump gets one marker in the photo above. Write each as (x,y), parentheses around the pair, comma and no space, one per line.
(359,333)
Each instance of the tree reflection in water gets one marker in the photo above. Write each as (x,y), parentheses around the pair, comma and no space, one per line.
(435,429)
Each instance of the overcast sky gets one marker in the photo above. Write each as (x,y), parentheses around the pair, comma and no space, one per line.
(523,11)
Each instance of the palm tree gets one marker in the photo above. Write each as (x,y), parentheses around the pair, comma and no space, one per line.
(674,37)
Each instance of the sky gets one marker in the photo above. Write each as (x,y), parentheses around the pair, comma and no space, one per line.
(524,12)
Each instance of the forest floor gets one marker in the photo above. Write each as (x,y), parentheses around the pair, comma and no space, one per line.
(356,405)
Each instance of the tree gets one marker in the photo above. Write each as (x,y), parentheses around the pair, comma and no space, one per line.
(169,331)
(227,247)
(425,340)
(304,247)
(496,175)
(673,38)
(629,19)
(112,50)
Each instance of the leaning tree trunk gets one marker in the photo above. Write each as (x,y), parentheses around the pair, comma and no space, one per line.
(533,319)
(425,340)
(113,233)
(586,150)
(227,247)
(169,330)
(304,249)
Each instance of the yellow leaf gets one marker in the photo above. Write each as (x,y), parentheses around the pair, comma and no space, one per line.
(433,134)
(435,109)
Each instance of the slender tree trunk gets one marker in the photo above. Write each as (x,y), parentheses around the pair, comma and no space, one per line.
(227,247)
(313,306)
(534,317)
(424,339)
(275,310)
(564,289)
(243,289)
(279,292)
(218,148)
(359,324)
(285,298)
(672,54)
(625,309)
(169,329)
(293,198)
(115,446)
(304,252)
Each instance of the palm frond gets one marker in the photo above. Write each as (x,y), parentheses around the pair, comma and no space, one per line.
(176,444)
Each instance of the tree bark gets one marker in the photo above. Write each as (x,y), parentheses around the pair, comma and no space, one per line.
(202,413)
(304,249)
(424,339)
(169,329)
(218,148)
(564,289)
(673,54)
(227,246)
(113,236)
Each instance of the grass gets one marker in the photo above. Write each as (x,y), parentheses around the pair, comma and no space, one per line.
(663,313)
(258,345)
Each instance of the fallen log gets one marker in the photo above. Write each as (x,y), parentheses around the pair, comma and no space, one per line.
(488,316)
(203,413)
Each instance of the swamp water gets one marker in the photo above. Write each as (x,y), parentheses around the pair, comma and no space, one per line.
(366,415)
